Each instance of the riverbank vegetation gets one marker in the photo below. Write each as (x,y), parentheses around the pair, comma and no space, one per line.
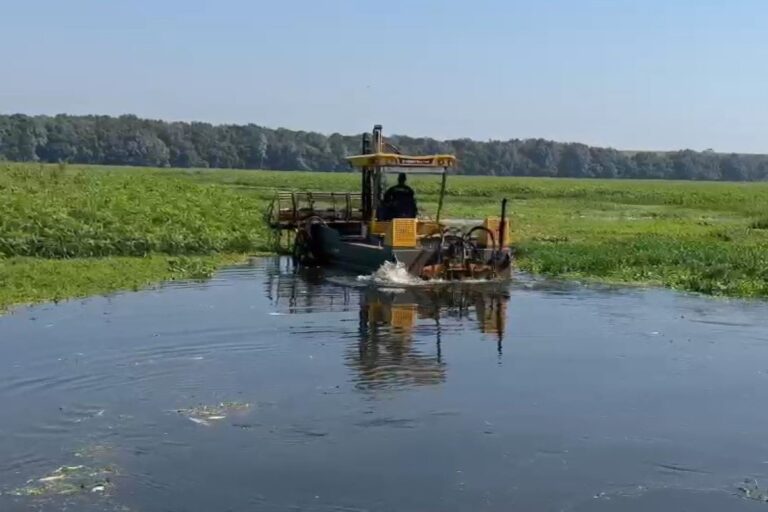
(69,231)
(32,280)
(695,236)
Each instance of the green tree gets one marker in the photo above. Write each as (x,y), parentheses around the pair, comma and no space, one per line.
(129,140)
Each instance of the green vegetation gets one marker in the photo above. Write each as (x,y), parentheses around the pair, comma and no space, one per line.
(91,479)
(70,480)
(128,140)
(58,213)
(30,280)
(696,236)
(73,231)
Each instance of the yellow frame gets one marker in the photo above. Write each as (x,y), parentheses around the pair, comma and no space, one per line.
(404,161)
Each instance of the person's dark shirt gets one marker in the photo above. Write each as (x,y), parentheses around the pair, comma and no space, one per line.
(400,202)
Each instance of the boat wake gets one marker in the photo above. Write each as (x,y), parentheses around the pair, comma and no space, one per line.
(392,274)
(396,275)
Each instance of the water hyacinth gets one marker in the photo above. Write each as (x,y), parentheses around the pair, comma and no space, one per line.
(77,230)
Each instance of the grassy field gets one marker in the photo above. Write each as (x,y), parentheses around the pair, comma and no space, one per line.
(80,230)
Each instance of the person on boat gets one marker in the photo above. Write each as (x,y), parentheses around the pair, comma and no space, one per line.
(400,200)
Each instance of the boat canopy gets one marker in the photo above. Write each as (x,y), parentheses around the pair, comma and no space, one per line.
(428,163)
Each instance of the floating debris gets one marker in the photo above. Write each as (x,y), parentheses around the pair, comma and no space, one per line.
(752,491)
(205,414)
(68,480)
(95,451)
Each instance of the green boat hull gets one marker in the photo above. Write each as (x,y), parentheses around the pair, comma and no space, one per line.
(368,255)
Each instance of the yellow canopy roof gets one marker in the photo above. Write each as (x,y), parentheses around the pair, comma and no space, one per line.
(405,161)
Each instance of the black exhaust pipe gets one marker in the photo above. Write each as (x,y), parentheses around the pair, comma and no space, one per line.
(503,223)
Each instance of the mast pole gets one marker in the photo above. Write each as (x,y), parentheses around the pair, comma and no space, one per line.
(443,179)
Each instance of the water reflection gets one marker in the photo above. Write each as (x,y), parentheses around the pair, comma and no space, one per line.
(398,341)
(306,291)
(396,326)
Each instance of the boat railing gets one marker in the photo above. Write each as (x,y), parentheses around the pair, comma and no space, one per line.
(289,210)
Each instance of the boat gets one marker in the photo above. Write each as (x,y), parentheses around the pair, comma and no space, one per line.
(350,229)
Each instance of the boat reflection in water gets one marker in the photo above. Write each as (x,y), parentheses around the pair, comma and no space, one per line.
(400,332)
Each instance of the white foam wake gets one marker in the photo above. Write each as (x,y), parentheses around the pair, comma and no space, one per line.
(392,274)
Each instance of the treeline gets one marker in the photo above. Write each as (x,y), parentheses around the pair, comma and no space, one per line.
(129,140)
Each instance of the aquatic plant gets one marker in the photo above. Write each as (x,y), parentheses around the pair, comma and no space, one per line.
(206,414)
(76,230)
(87,213)
(751,490)
(67,480)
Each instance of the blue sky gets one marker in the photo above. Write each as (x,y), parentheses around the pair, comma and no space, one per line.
(648,74)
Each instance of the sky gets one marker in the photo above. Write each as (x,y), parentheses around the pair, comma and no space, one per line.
(646,74)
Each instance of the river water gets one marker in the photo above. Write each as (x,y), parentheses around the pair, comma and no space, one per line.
(263,389)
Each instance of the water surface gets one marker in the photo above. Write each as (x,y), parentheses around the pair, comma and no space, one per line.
(530,396)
